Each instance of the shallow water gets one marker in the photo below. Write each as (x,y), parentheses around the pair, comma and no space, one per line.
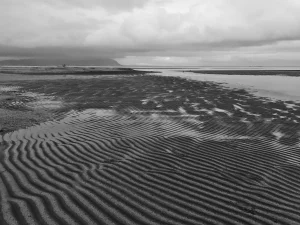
(274,87)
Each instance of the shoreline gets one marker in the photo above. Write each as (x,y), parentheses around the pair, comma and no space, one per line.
(292,73)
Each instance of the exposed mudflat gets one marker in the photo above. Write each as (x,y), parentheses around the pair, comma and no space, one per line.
(68,70)
(148,150)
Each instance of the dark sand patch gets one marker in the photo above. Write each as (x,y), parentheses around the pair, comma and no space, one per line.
(11,120)
(16,112)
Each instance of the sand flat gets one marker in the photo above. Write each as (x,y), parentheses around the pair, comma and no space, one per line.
(117,153)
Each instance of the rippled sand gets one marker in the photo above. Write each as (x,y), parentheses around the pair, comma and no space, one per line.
(160,150)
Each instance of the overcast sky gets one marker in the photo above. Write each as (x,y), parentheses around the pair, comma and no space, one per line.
(154,32)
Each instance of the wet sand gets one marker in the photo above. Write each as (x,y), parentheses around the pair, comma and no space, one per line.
(149,150)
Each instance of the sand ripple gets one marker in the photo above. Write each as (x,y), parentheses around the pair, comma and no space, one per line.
(104,167)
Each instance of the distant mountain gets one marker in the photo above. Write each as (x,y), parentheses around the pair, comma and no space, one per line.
(60,61)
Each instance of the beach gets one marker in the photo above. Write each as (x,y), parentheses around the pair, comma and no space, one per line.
(145,148)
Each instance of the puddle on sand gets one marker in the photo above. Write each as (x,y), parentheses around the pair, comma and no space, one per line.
(42,101)
(223,111)
(101,112)
(9,88)
(48,104)
(278,134)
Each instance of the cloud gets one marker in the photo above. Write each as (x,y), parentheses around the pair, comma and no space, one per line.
(215,22)
(220,23)
(148,28)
